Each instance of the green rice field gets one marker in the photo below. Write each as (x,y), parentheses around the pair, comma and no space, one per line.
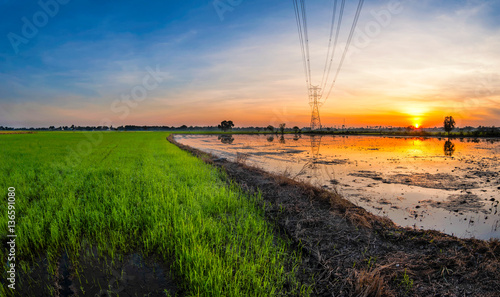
(122,193)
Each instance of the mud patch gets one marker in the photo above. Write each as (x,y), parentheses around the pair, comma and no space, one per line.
(334,182)
(333,162)
(290,151)
(441,181)
(368,174)
(487,174)
(434,181)
(459,203)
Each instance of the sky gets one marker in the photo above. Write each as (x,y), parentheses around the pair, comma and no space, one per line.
(74,62)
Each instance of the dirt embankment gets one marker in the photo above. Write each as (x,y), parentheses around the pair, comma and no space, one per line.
(17,132)
(350,252)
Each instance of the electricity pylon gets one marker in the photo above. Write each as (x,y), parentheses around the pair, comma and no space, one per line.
(314,98)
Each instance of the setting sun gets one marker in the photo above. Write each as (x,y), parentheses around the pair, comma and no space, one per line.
(191,144)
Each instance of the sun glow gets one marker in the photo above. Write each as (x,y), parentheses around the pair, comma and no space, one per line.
(417,122)
(416,115)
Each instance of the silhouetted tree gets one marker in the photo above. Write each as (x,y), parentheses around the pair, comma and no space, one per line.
(226,139)
(282,128)
(296,129)
(449,148)
(226,125)
(449,124)
(410,128)
(270,128)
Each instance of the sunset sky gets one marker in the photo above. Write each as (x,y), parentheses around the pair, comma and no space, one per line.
(86,61)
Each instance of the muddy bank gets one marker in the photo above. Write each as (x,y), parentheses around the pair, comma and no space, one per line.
(351,252)
(18,132)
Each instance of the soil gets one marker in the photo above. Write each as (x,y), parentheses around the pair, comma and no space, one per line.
(426,180)
(347,251)
(334,161)
(98,275)
(279,153)
(19,132)
(459,203)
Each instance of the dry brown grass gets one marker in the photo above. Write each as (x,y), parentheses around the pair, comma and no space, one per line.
(241,158)
(370,283)
(17,132)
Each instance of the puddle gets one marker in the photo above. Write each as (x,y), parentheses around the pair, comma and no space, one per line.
(450,185)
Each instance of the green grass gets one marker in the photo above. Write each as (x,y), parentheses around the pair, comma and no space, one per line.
(129,192)
(406,282)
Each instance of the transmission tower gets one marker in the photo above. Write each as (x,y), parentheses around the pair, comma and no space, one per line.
(316,98)
(314,101)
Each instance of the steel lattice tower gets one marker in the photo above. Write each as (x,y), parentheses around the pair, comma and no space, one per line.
(314,99)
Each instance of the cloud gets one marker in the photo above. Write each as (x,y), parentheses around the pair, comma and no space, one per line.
(432,57)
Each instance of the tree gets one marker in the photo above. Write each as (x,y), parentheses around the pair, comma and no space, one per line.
(270,128)
(226,125)
(449,148)
(282,128)
(226,138)
(296,129)
(449,124)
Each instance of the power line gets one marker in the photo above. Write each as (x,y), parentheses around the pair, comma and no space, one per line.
(301,41)
(306,38)
(315,93)
(349,39)
(339,25)
(334,11)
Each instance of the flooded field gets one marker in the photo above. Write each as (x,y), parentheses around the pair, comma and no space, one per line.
(450,185)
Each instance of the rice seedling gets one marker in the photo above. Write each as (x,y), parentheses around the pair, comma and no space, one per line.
(137,193)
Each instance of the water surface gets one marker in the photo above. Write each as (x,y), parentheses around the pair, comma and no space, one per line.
(450,185)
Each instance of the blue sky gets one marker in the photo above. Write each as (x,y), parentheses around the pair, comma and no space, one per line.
(78,68)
